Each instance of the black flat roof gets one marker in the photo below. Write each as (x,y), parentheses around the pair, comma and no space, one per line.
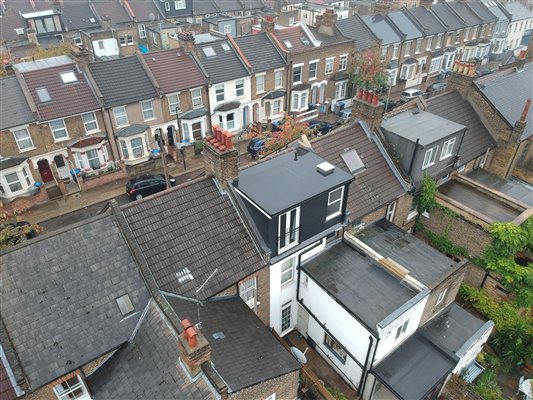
(414,368)
(282,182)
(355,281)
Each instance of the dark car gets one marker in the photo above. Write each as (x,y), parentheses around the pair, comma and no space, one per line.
(256,147)
(390,105)
(482,71)
(320,127)
(145,185)
(437,86)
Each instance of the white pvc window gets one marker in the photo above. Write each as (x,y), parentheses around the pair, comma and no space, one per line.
(343,62)
(142,31)
(59,130)
(174,103)
(219,93)
(23,139)
(286,316)
(239,87)
(259,83)
(334,203)
(395,50)
(71,389)
(278,78)
(276,107)
(329,65)
(297,74)
(335,348)
(248,291)
(137,147)
(429,157)
(196,95)
(447,149)
(391,209)
(121,118)
(288,229)
(340,90)
(179,4)
(313,70)
(147,109)
(89,122)
(401,330)
(287,270)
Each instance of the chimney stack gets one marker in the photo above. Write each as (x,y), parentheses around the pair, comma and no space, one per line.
(194,348)
(326,22)
(382,8)
(462,77)
(220,157)
(186,41)
(268,24)
(367,107)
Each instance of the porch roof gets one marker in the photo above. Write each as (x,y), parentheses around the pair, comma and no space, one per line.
(131,130)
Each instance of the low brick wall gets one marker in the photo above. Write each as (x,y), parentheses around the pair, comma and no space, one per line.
(94,181)
(24,203)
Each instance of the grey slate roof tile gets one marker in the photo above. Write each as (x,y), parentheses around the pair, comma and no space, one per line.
(465,13)
(204,7)
(356,29)
(76,16)
(224,66)
(452,106)
(16,111)
(451,21)
(193,227)
(404,24)
(122,81)
(111,10)
(427,19)
(60,318)
(481,10)
(249,354)
(260,52)
(374,187)
(148,367)
(8,26)
(382,28)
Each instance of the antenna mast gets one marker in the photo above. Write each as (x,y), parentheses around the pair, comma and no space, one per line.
(199,323)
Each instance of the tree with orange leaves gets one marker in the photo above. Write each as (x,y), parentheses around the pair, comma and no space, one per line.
(366,71)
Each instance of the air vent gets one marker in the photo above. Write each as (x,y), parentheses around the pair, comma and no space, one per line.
(325,168)
(184,275)
(417,111)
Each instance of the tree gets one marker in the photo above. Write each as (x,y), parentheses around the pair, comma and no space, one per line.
(290,130)
(366,71)
(508,242)
(62,49)
(425,198)
(12,234)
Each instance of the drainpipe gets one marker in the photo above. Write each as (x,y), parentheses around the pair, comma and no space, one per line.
(113,140)
(459,148)
(362,389)
(371,341)
(289,89)
(299,268)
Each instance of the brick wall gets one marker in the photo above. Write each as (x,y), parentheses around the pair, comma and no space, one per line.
(222,165)
(103,179)
(285,387)
(477,276)
(185,103)
(24,203)
(403,206)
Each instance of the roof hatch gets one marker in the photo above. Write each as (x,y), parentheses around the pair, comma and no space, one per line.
(325,168)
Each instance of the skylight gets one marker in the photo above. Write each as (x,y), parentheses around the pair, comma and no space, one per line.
(125,305)
(353,161)
(92,20)
(43,94)
(209,52)
(68,77)
(184,275)
(288,44)
(225,46)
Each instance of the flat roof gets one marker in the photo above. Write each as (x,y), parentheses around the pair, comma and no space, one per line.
(479,201)
(424,263)
(357,282)
(43,63)
(518,190)
(282,182)
(417,124)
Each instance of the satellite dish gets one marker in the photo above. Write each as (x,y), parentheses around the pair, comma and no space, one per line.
(299,355)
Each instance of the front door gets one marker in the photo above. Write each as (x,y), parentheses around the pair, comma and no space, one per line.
(62,167)
(45,171)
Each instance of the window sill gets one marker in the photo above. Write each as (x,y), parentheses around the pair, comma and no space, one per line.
(28,149)
(333,215)
(149,119)
(287,283)
(445,157)
(92,132)
(313,79)
(61,140)
(260,92)
(427,166)
(122,126)
(411,216)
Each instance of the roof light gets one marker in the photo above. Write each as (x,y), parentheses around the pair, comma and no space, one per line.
(288,44)
(184,275)
(325,168)
(225,46)
(68,77)
(353,161)
(43,94)
(125,305)
(209,52)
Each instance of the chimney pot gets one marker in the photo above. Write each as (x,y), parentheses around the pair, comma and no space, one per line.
(526,110)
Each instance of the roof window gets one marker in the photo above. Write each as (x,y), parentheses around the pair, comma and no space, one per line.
(68,77)
(184,275)
(353,161)
(92,20)
(209,52)
(225,46)
(125,305)
(288,44)
(43,95)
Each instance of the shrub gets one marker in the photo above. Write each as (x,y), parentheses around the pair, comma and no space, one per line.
(487,387)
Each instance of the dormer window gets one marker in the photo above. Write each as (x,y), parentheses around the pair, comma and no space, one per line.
(335,203)
(68,77)
(288,230)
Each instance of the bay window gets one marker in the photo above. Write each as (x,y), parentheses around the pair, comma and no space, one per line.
(407,72)
(137,147)
(15,180)
(340,90)
(299,101)
(276,107)
(435,64)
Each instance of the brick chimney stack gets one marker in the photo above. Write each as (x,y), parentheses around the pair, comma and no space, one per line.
(194,348)
(367,107)
(381,8)
(462,77)
(220,157)
(268,24)
(326,22)
(186,41)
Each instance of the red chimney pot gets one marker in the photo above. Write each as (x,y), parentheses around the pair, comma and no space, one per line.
(526,110)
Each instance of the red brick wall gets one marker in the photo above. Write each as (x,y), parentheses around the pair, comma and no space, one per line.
(103,179)
(23,203)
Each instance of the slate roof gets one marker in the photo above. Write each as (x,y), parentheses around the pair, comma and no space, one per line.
(144,10)
(164,64)
(57,298)
(14,6)
(228,5)
(204,7)
(326,40)
(405,25)
(261,52)
(382,29)
(481,10)
(452,106)
(67,99)
(377,184)
(8,162)
(496,10)
(414,368)
(248,354)
(358,283)
(122,81)
(354,28)
(8,26)
(224,66)
(450,20)
(517,11)
(148,367)
(427,19)
(508,91)
(131,130)
(427,265)
(285,181)
(465,13)
(76,16)
(112,10)
(173,229)
(16,111)
(298,38)
(415,124)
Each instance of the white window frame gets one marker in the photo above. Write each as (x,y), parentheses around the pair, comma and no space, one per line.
(277,105)
(180,4)
(294,68)
(220,93)
(329,67)
(407,72)
(67,394)
(391,210)
(438,45)
(435,65)
(173,105)
(63,128)
(278,78)
(287,270)
(315,68)
(23,178)
(407,48)
(195,103)
(335,348)
(343,62)
(340,90)
(121,110)
(430,156)
(271,397)
(247,286)
(283,308)
(260,82)
(447,149)
(18,140)
(167,5)
(418,46)
(93,120)
(227,29)
(149,109)
(291,234)
(239,87)
(333,202)
(429,42)
(441,297)
(384,52)
(395,51)
(142,31)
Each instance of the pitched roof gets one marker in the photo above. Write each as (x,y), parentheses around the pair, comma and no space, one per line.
(427,19)
(144,10)
(173,228)
(122,81)
(377,184)
(8,162)
(14,6)
(164,64)
(450,20)
(16,111)
(481,10)
(295,39)
(65,98)
(405,25)
(228,5)
(8,26)
(354,28)
(204,7)
(382,28)
(58,297)
(224,65)
(465,13)
(111,10)
(248,354)
(517,10)
(508,91)
(148,367)
(452,106)
(260,52)
(78,16)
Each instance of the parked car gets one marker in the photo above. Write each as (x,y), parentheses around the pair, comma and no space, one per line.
(320,127)
(145,185)
(344,115)
(482,71)
(277,125)
(437,86)
(255,147)
(410,94)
